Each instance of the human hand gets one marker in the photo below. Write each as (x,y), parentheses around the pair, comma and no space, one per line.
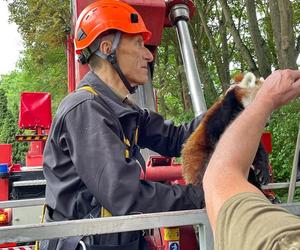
(279,88)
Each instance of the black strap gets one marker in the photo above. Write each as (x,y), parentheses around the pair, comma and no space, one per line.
(123,78)
(133,148)
(134,245)
(112,59)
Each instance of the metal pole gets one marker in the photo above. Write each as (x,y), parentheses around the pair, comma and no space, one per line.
(294,170)
(22,203)
(206,238)
(179,16)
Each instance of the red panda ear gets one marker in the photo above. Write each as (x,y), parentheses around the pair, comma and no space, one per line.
(238,77)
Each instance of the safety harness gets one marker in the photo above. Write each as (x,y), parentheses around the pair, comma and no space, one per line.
(71,243)
(126,141)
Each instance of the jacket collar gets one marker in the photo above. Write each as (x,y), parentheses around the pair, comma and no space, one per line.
(119,105)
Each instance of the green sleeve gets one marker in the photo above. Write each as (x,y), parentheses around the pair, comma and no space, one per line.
(250,221)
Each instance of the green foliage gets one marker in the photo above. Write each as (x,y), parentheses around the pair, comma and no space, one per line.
(3,106)
(42,24)
(169,80)
(43,66)
(49,76)
(284,127)
(9,128)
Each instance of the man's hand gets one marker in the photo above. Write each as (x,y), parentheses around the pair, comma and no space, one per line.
(279,88)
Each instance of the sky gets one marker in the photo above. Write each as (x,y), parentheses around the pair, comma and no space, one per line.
(10,42)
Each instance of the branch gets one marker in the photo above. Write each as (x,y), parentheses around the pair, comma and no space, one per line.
(298,44)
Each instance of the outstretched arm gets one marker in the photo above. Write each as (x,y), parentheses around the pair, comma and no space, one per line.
(228,169)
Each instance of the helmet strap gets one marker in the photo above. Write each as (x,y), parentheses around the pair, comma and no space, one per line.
(112,59)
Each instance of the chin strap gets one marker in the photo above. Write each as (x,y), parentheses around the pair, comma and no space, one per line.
(112,59)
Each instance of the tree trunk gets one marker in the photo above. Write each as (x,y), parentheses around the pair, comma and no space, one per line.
(225,50)
(289,53)
(216,53)
(276,28)
(237,39)
(163,110)
(263,57)
(210,92)
(282,26)
(298,46)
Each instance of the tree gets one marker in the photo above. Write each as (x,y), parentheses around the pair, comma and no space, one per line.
(3,107)
(260,46)
(282,26)
(237,38)
(9,128)
(284,127)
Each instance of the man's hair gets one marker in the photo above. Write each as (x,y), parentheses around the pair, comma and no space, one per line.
(96,61)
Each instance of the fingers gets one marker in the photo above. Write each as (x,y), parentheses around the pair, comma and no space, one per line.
(282,86)
(293,80)
(295,89)
(289,74)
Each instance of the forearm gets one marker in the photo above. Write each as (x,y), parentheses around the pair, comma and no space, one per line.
(228,169)
(238,145)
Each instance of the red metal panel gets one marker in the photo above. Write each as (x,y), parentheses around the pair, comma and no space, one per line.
(35,110)
(6,154)
(185,239)
(4,189)
(153,13)
(266,140)
(34,157)
(34,160)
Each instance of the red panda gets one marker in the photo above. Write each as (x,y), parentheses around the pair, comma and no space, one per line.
(199,146)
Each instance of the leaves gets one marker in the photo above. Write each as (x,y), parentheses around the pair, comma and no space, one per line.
(9,128)
(284,126)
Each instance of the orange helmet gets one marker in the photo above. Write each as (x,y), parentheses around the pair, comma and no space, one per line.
(105,15)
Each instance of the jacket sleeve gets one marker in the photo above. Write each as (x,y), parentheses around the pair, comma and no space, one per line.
(162,136)
(97,152)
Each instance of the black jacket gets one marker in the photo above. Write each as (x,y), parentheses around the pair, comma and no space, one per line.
(84,162)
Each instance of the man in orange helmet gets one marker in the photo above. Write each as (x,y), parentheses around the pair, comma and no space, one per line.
(92,159)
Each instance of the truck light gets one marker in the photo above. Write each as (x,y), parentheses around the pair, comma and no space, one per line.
(5,217)
(3,170)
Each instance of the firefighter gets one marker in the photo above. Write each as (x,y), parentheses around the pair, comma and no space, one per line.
(240,215)
(92,159)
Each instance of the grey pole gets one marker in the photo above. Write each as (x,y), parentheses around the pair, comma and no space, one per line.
(293,178)
(179,15)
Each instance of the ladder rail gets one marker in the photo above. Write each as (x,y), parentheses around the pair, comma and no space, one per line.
(293,179)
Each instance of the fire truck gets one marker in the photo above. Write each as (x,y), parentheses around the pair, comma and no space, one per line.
(27,182)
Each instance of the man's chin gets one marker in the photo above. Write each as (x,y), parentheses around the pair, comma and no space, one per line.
(140,83)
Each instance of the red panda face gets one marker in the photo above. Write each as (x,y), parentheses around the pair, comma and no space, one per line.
(246,87)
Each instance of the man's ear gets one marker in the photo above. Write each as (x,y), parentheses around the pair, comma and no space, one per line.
(105,47)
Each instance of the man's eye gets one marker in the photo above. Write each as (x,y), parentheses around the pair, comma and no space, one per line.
(140,43)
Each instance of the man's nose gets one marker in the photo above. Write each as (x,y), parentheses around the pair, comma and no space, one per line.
(148,55)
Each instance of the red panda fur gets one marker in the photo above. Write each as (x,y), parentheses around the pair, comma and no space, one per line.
(200,145)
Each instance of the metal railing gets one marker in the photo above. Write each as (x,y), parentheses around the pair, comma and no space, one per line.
(33,232)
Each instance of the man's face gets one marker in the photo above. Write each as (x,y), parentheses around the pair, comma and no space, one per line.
(133,58)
